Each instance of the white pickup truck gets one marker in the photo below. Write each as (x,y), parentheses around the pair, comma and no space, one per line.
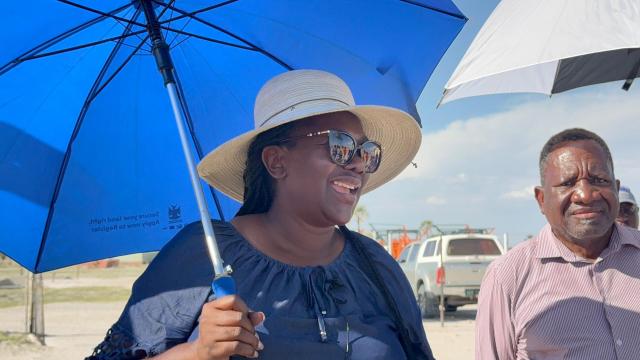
(459,268)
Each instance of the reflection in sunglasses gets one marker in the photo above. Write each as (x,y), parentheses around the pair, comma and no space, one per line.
(343,146)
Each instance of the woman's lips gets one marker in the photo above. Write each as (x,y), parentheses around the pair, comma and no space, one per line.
(347,189)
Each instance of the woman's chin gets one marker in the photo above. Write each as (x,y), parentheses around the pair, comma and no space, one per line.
(341,219)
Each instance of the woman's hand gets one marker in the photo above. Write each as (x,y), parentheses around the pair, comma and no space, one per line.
(227,327)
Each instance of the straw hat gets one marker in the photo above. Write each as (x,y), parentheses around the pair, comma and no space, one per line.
(299,94)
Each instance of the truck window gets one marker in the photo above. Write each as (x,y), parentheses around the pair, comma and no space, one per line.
(429,249)
(414,253)
(462,247)
(404,254)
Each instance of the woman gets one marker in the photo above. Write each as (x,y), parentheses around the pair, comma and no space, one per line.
(307,287)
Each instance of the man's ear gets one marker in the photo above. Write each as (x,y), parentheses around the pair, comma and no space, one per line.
(273,158)
(539,194)
(617,185)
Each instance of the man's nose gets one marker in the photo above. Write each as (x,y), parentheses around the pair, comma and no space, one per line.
(584,192)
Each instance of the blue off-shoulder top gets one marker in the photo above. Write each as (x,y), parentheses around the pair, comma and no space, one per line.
(167,299)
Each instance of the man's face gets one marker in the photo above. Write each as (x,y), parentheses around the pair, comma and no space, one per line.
(579,197)
(628,215)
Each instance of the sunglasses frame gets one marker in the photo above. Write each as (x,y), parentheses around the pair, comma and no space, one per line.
(353,154)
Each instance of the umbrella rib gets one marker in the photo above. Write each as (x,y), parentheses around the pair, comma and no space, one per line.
(124,63)
(67,153)
(632,74)
(115,17)
(15,62)
(185,14)
(37,56)
(164,10)
(178,43)
(256,48)
(175,38)
(208,39)
(433,8)
(188,120)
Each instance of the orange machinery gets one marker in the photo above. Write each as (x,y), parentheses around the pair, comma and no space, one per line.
(394,240)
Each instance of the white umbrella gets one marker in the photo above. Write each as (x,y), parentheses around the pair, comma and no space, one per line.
(549,46)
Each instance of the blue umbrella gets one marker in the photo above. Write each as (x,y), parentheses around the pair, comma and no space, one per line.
(93,153)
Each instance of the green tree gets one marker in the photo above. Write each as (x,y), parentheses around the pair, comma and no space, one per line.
(361,215)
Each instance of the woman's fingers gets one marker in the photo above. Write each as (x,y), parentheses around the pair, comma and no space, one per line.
(235,333)
(256,317)
(232,318)
(227,327)
(240,348)
(230,302)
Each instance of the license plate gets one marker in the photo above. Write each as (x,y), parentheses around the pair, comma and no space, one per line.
(471,293)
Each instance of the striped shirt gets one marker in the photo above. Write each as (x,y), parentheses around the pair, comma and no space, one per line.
(541,301)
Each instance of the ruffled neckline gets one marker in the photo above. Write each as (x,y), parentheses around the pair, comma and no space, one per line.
(245,248)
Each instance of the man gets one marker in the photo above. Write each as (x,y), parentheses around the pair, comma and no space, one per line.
(628,213)
(573,291)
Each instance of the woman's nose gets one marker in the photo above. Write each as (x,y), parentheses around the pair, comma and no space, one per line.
(357,163)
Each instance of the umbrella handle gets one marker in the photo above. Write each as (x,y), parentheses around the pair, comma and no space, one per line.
(223,285)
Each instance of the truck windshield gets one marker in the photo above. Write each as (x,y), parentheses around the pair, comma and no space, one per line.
(463,247)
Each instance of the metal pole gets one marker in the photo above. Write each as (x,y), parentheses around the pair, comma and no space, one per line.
(441,307)
(205,217)
(36,326)
(505,242)
(166,68)
(27,301)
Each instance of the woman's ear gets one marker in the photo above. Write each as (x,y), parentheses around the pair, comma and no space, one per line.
(273,158)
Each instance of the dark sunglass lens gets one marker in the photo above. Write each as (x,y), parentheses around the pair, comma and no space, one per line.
(341,147)
(628,209)
(371,154)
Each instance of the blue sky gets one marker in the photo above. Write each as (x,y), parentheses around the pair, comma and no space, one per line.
(478,160)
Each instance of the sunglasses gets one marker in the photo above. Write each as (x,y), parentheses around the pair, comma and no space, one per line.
(628,209)
(343,147)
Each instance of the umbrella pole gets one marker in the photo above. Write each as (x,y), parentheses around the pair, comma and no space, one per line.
(205,217)
(223,283)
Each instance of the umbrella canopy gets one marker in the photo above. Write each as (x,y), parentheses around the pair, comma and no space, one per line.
(91,164)
(550,46)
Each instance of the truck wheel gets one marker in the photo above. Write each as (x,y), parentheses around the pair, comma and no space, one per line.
(427,304)
(450,308)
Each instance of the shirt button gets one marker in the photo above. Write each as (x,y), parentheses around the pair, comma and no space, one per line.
(619,342)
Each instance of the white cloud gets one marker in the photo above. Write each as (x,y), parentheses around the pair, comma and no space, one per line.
(480,171)
(514,138)
(458,179)
(436,200)
(524,193)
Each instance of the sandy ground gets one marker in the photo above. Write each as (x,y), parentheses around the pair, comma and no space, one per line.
(73,329)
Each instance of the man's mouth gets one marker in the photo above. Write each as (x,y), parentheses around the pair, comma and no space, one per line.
(586,213)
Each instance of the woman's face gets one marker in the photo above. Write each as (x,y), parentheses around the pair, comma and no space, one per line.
(322,192)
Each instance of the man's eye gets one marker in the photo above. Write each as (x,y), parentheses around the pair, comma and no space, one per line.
(600,181)
(567,183)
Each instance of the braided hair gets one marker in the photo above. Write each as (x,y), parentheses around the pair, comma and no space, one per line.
(259,189)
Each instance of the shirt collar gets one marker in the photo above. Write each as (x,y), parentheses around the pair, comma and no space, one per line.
(628,236)
(548,245)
